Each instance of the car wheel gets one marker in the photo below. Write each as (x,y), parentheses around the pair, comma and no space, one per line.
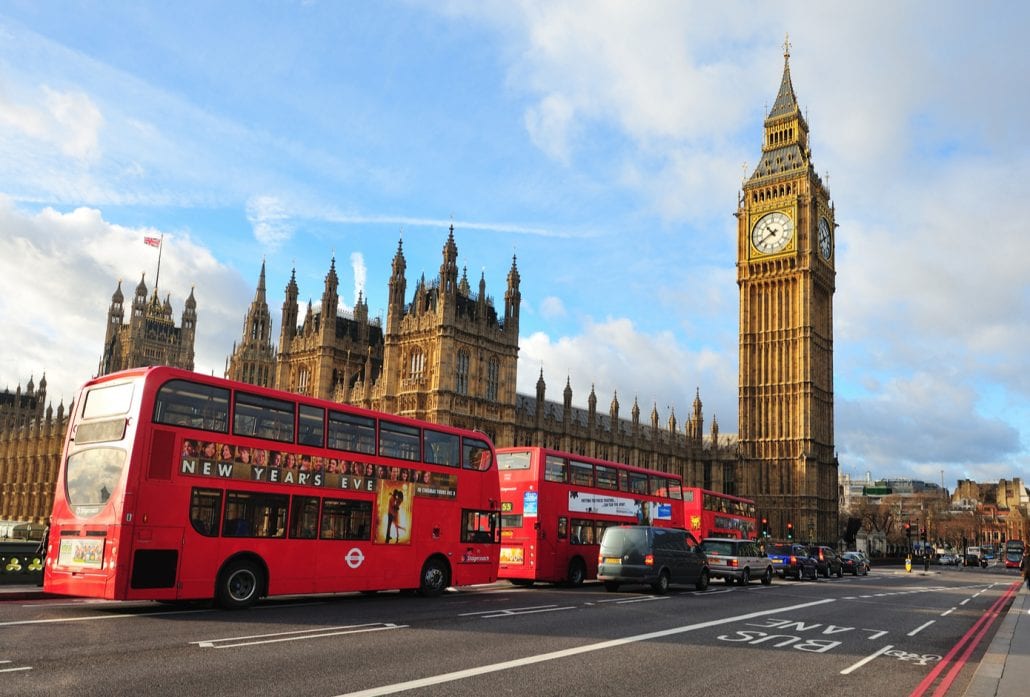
(767,576)
(745,577)
(729,580)
(702,581)
(661,586)
(611,586)
(239,585)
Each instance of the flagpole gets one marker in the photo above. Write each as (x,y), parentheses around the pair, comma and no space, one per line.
(160,248)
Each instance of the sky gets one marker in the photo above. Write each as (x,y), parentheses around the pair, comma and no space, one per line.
(602,144)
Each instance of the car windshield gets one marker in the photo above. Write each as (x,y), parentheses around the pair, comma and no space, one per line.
(780,549)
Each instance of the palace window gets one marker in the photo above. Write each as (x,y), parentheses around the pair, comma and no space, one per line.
(417,364)
(462,377)
(493,371)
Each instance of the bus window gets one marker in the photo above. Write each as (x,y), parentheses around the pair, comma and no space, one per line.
(356,434)
(263,417)
(638,482)
(304,517)
(582,473)
(582,532)
(184,403)
(554,469)
(514,461)
(311,426)
(476,455)
(205,511)
(109,400)
(346,520)
(606,477)
(249,514)
(440,448)
(563,527)
(399,441)
(479,526)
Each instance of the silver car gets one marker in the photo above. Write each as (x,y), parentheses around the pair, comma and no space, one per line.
(737,561)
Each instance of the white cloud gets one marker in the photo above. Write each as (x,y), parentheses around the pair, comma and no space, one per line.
(58,272)
(69,121)
(614,357)
(270,220)
(552,307)
(548,124)
(357,263)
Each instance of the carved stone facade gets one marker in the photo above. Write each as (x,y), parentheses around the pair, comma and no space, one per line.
(150,337)
(31,438)
(786,276)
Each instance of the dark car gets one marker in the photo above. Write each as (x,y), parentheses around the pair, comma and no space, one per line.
(854,564)
(975,560)
(792,560)
(635,554)
(827,561)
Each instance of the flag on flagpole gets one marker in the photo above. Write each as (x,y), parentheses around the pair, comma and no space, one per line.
(152,241)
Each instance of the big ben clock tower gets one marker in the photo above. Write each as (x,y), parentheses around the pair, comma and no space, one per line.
(785,271)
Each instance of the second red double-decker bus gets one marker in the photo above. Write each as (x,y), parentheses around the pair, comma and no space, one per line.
(714,514)
(177,486)
(555,506)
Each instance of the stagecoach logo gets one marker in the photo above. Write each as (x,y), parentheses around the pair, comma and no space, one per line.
(354,557)
(470,557)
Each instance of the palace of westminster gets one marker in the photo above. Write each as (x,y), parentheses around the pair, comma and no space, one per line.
(446,353)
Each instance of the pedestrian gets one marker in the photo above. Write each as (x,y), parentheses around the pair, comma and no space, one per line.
(41,550)
(1024,566)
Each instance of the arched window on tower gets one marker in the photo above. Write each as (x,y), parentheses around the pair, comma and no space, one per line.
(302,380)
(417,364)
(493,372)
(461,385)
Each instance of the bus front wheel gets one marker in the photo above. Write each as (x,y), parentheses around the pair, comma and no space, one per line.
(435,578)
(577,572)
(239,585)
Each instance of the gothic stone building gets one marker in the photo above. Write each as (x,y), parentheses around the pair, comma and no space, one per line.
(150,337)
(449,355)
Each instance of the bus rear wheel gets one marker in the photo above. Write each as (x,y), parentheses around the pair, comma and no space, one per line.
(239,585)
(435,578)
(577,572)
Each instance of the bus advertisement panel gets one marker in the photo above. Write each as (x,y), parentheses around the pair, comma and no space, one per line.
(176,486)
(713,514)
(555,507)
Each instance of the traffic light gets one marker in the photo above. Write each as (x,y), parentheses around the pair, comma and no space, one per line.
(790,531)
(922,534)
(908,530)
(765,527)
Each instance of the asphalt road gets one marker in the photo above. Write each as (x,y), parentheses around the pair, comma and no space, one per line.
(889,633)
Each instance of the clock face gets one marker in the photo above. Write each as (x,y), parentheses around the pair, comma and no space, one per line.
(825,241)
(772,232)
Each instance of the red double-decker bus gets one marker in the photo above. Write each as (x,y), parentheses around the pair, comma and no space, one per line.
(713,514)
(555,507)
(177,486)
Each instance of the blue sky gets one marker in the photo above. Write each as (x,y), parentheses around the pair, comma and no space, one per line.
(603,143)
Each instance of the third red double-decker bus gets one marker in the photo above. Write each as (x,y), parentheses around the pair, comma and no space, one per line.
(555,506)
(713,514)
(174,486)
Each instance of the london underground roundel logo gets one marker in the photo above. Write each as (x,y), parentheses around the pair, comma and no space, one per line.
(354,557)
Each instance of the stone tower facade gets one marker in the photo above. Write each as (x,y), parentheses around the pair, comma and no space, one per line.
(330,351)
(150,337)
(449,355)
(253,358)
(786,276)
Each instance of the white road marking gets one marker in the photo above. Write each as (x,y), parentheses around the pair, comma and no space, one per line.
(297,635)
(921,628)
(565,653)
(948,612)
(856,666)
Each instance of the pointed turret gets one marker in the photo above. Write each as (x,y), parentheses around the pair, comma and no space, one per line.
(449,267)
(288,330)
(512,301)
(330,301)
